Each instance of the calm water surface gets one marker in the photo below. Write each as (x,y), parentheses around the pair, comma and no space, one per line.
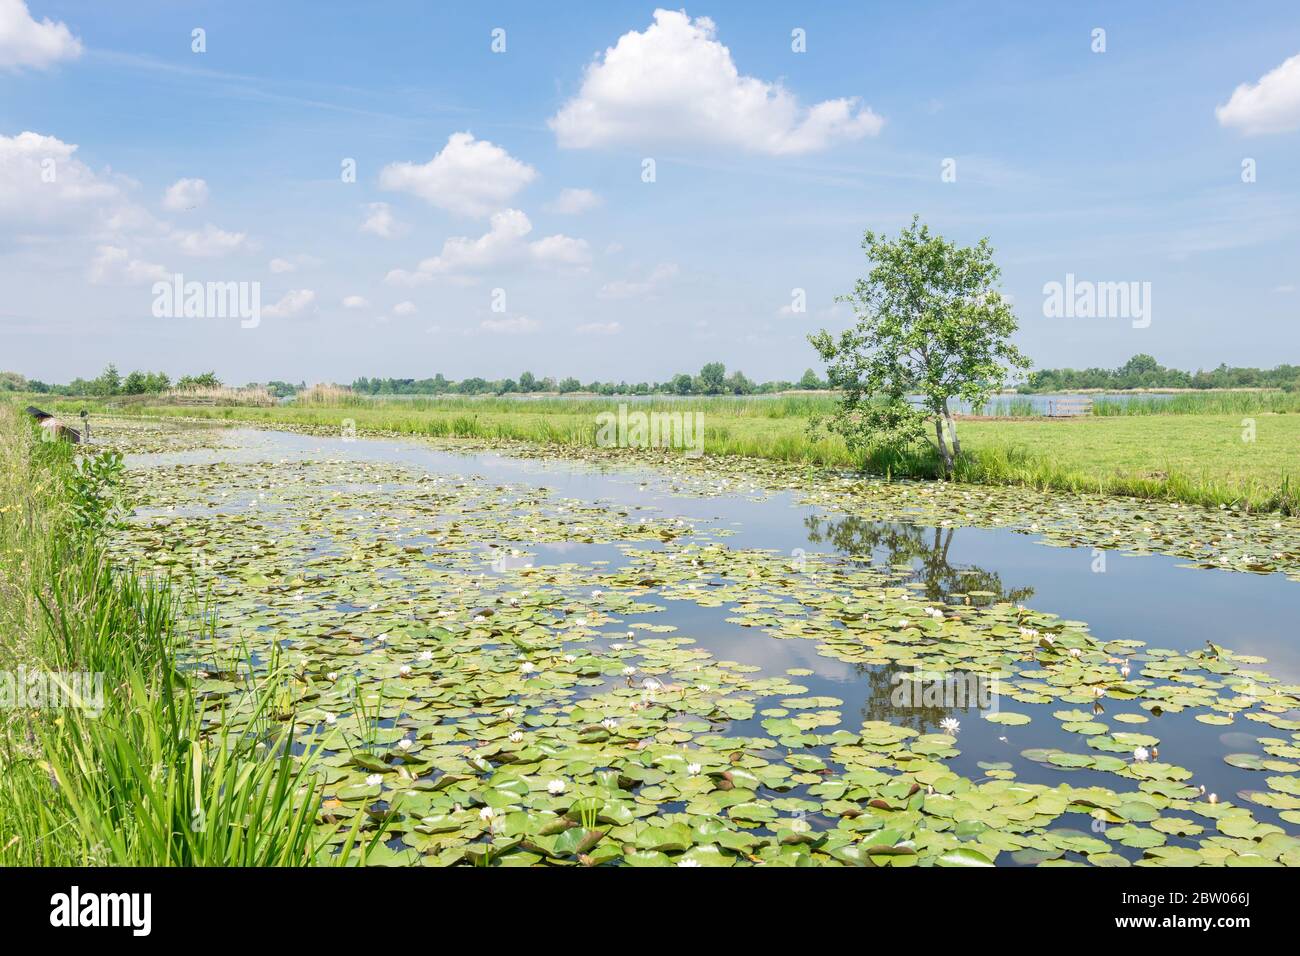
(1151,598)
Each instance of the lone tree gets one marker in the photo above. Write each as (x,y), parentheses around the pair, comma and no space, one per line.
(930,323)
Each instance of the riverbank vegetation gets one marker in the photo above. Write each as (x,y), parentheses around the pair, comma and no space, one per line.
(108,756)
(1205,459)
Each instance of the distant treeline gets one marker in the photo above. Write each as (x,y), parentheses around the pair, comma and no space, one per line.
(1143,371)
(110,382)
(711,380)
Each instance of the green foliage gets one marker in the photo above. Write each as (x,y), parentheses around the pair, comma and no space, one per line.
(95,504)
(138,774)
(205,380)
(108,383)
(712,379)
(930,322)
(1143,371)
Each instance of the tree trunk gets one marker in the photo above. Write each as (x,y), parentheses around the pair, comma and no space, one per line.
(945,459)
(952,430)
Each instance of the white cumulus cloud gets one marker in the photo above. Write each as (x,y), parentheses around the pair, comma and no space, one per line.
(209,241)
(406,307)
(470,177)
(504,244)
(1270,106)
(185,194)
(676,84)
(381,222)
(25,42)
(42,183)
(355,302)
(291,303)
(113,264)
(572,202)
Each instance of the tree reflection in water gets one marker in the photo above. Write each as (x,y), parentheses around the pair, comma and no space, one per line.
(925,550)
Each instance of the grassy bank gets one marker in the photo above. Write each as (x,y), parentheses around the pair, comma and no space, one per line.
(1198,458)
(106,755)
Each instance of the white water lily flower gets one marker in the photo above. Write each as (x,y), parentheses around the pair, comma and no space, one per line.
(374,780)
(331,718)
(597,593)
(693,769)
(508,713)
(527,667)
(702,687)
(629,671)
(404,670)
(405,744)
(1075,652)
(1140,754)
(1125,670)
(580,622)
(1213,798)
(332,676)
(1099,692)
(516,736)
(569,658)
(951,725)
(688,862)
(609,723)
(1028,632)
(426,656)
(651,684)
(617,647)
(487,814)
(555,788)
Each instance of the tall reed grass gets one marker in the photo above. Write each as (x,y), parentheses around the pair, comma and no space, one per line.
(144,776)
(256,395)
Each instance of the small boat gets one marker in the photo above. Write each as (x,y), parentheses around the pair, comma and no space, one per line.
(53,426)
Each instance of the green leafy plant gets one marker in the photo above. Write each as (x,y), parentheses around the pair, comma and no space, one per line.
(96,504)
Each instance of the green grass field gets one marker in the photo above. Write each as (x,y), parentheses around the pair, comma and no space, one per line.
(1186,455)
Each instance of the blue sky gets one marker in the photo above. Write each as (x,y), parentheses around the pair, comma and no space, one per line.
(517,232)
